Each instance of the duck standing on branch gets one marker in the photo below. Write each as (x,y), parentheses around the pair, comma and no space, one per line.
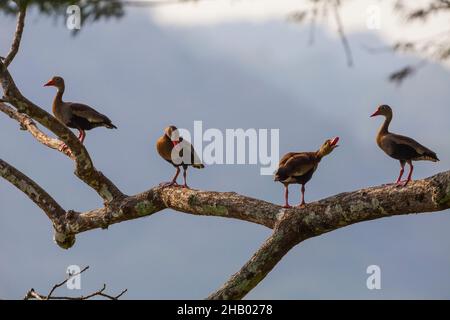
(179,152)
(76,115)
(402,148)
(299,167)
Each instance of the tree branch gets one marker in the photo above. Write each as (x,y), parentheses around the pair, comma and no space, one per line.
(257,268)
(343,37)
(58,285)
(38,195)
(17,35)
(33,295)
(26,123)
(196,202)
(297,225)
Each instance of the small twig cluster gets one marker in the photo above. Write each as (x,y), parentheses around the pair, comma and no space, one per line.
(34,295)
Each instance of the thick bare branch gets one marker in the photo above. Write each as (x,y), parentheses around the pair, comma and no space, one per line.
(196,202)
(257,268)
(17,36)
(38,195)
(296,225)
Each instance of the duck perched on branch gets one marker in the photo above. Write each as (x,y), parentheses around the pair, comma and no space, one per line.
(76,115)
(299,167)
(401,148)
(179,152)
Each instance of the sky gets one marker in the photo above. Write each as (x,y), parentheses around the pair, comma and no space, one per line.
(238,69)
(358,16)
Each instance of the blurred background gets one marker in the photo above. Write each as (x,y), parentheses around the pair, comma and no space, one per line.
(231,64)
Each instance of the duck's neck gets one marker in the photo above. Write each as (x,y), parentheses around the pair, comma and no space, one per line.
(57,101)
(320,154)
(384,129)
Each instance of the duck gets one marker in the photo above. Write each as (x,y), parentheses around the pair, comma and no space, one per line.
(75,115)
(402,148)
(299,167)
(165,146)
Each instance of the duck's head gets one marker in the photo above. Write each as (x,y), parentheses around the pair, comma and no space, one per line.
(328,146)
(383,110)
(56,81)
(172,133)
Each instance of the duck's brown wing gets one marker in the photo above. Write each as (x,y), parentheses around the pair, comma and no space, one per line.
(91,115)
(405,148)
(286,157)
(300,163)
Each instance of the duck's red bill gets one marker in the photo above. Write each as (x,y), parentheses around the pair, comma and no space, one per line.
(334,141)
(50,83)
(375,113)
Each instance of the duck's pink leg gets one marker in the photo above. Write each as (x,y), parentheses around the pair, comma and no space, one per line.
(402,170)
(173,182)
(286,196)
(411,169)
(65,149)
(302,204)
(82,135)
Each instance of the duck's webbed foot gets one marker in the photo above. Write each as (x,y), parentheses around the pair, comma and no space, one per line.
(169,184)
(172,183)
(65,149)
(403,183)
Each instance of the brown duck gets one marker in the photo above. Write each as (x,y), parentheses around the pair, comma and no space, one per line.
(402,148)
(76,115)
(165,146)
(299,167)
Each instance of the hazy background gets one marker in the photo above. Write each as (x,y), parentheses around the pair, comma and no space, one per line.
(145,72)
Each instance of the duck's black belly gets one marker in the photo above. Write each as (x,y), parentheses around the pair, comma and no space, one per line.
(81,123)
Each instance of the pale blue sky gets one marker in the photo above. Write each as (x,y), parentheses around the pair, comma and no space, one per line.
(145,76)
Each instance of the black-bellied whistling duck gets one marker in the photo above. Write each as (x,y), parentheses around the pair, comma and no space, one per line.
(299,167)
(166,144)
(76,115)
(402,148)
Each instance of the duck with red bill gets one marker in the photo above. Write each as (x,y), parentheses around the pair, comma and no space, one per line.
(299,167)
(178,152)
(401,148)
(76,115)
